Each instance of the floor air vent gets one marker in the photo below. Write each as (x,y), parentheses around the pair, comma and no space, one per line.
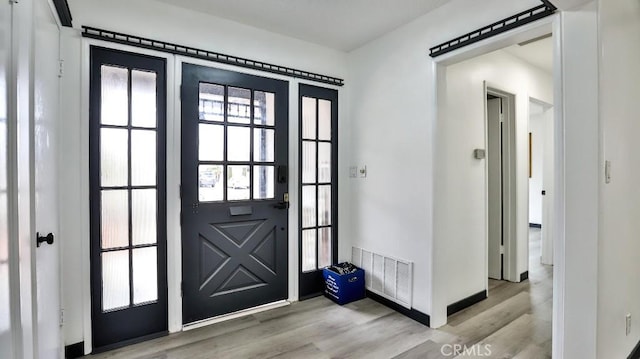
(388,277)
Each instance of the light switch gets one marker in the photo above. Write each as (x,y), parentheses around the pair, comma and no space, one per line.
(353,172)
(363,172)
(479,154)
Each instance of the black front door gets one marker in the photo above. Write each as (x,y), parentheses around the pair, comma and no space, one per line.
(234,191)
(127,189)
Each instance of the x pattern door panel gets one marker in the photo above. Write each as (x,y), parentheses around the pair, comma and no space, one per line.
(225,266)
(234,152)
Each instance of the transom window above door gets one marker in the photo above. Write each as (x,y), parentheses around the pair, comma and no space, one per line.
(236,144)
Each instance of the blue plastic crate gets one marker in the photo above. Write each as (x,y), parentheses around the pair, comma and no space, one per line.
(344,288)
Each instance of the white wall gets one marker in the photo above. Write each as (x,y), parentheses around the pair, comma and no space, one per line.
(618,264)
(393,132)
(576,186)
(465,130)
(160,21)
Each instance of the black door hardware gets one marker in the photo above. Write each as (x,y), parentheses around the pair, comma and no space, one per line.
(281,205)
(283,174)
(39,239)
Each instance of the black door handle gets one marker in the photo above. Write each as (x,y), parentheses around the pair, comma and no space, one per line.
(40,239)
(281,205)
(283,174)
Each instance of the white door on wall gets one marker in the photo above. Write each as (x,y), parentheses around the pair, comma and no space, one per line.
(5,43)
(548,178)
(494,194)
(45,137)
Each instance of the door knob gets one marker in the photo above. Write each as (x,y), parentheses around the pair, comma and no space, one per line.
(39,239)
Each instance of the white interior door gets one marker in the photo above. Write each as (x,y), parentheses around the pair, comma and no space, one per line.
(546,256)
(5,56)
(45,137)
(494,196)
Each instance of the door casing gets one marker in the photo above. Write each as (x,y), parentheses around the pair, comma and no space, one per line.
(508,177)
(305,280)
(261,211)
(131,60)
(174,243)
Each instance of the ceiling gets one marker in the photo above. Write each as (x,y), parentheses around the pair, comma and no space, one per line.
(538,54)
(340,24)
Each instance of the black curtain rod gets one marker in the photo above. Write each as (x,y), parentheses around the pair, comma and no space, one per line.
(137,41)
(504,25)
(64,13)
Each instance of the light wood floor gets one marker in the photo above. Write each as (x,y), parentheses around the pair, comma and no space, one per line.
(515,320)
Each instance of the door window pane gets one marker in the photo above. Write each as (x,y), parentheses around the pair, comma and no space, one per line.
(239,105)
(264,108)
(324,247)
(324,162)
(324,205)
(324,120)
(308,162)
(317,169)
(309,118)
(210,183)
(308,250)
(238,143)
(238,183)
(115,219)
(143,216)
(115,280)
(114,148)
(263,145)
(114,109)
(211,106)
(263,182)
(143,158)
(145,275)
(308,206)
(143,98)
(211,142)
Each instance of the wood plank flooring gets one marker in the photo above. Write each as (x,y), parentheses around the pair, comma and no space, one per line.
(515,321)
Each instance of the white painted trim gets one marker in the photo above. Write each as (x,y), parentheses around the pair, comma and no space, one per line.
(544,258)
(500,41)
(293,159)
(174,230)
(12,188)
(438,305)
(234,315)
(173,262)
(83,135)
(558,320)
(510,264)
(529,31)
(54,13)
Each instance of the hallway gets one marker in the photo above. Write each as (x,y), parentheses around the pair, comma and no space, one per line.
(516,317)
(515,320)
